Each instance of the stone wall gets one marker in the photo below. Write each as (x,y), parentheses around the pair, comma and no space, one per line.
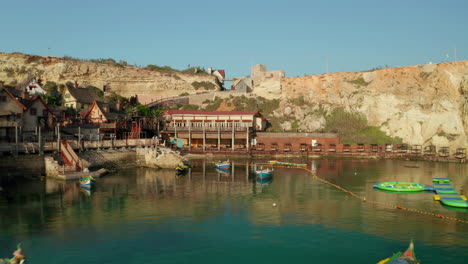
(22,165)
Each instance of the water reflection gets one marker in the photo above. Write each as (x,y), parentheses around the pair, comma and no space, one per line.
(149,195)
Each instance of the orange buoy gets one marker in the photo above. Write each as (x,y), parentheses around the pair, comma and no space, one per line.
(440,216)
(399,207)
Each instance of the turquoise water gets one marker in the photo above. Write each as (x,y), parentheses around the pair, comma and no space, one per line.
(151,216)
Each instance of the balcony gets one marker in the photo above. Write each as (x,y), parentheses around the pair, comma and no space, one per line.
(8,123)
(207,129)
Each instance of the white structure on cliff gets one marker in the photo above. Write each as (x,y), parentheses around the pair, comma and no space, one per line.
(259,74)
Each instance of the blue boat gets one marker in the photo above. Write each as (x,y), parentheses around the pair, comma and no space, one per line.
(264,173)
(264,180)
(223,165)
(86,181)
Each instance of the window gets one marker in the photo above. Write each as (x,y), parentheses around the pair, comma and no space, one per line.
(3,98)
(33,111)
(45,113)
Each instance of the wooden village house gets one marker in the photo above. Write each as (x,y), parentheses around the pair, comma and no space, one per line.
(23,115)
(109,118)
(230,130)
(79,98)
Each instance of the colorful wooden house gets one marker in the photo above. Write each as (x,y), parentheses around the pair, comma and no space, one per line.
(23,115)
(31,85)
(11,115)
(79,98)
(108,117)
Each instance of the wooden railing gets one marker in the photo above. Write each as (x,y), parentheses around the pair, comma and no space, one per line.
(69,156)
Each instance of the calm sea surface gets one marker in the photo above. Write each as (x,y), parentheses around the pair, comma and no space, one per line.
(151,216)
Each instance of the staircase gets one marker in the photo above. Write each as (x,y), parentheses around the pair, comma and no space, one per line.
(72,163)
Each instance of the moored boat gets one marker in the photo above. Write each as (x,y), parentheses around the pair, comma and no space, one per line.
(18,257)
(264,173)
(86,181)
(223,165)
(181,169)
(407,257)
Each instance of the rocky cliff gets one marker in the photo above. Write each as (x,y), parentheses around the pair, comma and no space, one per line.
(125,80)
(424,104)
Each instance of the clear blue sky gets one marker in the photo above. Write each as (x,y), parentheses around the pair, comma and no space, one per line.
(297,36)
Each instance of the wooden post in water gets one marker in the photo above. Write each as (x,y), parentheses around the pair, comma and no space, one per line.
(232,140)
(79,139)
(16,140)
(204,174)
(219,138)
(189,136)
(39,140)
(58,138)
(247,173)
(204,136)
(247,139)
(232,175)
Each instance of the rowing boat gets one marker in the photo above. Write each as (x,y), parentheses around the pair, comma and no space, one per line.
(407,257)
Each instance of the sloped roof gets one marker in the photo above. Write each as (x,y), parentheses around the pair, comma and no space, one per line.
(13,91)
(221,72)
(29,102)
(83,95)
(14,98)
(108,110)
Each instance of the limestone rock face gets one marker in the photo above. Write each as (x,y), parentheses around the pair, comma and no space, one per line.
(124,80)
(425,104)
(160,158)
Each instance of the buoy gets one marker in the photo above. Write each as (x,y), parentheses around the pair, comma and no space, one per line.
(399,207)
(440,216)
(274,204)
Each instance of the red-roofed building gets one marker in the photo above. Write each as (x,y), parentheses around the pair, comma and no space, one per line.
(220,74)
(211,129)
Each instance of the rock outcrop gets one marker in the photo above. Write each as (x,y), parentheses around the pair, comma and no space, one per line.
(124,80)
(424,104)
(160,157)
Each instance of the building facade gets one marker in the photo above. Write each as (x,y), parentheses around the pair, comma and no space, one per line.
(229,130)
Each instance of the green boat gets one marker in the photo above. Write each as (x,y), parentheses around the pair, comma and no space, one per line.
(18,257)
(400,186)
(407,257)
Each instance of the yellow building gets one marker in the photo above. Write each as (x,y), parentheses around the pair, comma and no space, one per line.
(79,98)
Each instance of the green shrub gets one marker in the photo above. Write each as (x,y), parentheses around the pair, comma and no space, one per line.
(113,97)
(96,90)
(360,82)
(424,75)
(159,68)
(190,107)
(213,105)
(353,128)
(299,101)
(204,84)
